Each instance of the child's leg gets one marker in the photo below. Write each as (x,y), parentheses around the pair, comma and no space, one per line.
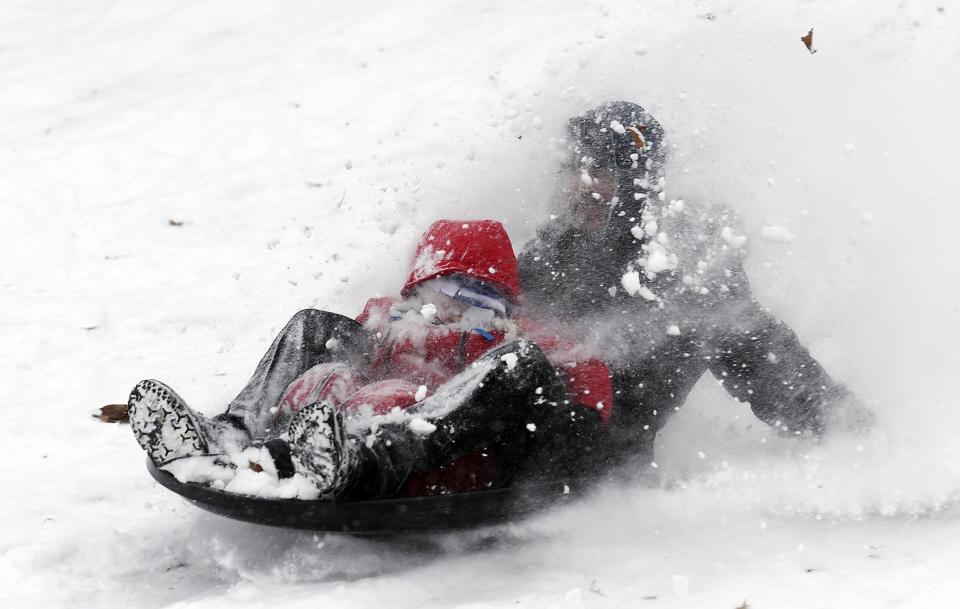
(311,337)
(510,399)
(332,382)
(168,429)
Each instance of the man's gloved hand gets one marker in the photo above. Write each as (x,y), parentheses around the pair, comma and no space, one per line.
(849,415)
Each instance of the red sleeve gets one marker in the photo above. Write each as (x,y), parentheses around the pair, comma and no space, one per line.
(545,338)
(375,306)
(589,384)
(587,380)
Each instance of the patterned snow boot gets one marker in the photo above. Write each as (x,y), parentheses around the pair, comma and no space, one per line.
(168,429)
(320,449)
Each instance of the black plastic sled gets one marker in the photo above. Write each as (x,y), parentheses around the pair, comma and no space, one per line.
(435,513)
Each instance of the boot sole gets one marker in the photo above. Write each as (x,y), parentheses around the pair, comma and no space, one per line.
(163,424)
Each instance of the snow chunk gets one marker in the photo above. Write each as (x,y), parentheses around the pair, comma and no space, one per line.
(531,427)
(646,294)
(733,240)
(631,282)
(421,393)
(658,261)
(262,484)
(510,359)
(234,473)
(203,469)
(429,311)
(332,345)
(618,127)
(776,234)
(421,426)
(426,262)
(637,232)
(673,330)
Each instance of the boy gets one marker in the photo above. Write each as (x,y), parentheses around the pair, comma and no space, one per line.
(434,392)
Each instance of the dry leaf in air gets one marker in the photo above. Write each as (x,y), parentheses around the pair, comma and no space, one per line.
(808,41)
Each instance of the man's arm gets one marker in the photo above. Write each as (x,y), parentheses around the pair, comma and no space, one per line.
(761,362)
(566,274)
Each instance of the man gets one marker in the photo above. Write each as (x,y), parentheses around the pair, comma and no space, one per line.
(659,289)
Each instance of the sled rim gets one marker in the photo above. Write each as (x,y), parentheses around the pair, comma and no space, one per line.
(435,513)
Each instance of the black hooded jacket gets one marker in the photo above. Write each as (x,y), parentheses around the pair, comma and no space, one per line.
(661,294)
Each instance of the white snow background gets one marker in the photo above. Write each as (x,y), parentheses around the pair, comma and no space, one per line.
(305,145)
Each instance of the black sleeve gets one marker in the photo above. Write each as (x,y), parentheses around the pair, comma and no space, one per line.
(760,361)
(567,273)
(532,266)
(543,277)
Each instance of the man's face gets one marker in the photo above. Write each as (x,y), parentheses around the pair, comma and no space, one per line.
(588,194)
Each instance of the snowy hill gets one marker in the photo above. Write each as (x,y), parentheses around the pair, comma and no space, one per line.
(176,180)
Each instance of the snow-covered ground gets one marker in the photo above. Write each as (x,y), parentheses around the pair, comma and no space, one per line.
(178,178)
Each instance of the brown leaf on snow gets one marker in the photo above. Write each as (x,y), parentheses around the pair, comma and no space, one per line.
(255,466)
(808,41)
(113,413)
(173,222)
(744,605)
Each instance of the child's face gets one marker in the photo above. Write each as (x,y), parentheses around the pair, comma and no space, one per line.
(460,300)
(449,310)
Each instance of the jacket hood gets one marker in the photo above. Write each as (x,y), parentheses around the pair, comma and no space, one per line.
(624,138)
(479,249)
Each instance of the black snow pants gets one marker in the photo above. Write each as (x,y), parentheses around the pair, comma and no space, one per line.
(511,400)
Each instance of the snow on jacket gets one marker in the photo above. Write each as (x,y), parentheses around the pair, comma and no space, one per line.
(662,292)
(476,248)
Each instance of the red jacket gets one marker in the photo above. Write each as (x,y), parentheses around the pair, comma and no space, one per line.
(445,353)
(479,249)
